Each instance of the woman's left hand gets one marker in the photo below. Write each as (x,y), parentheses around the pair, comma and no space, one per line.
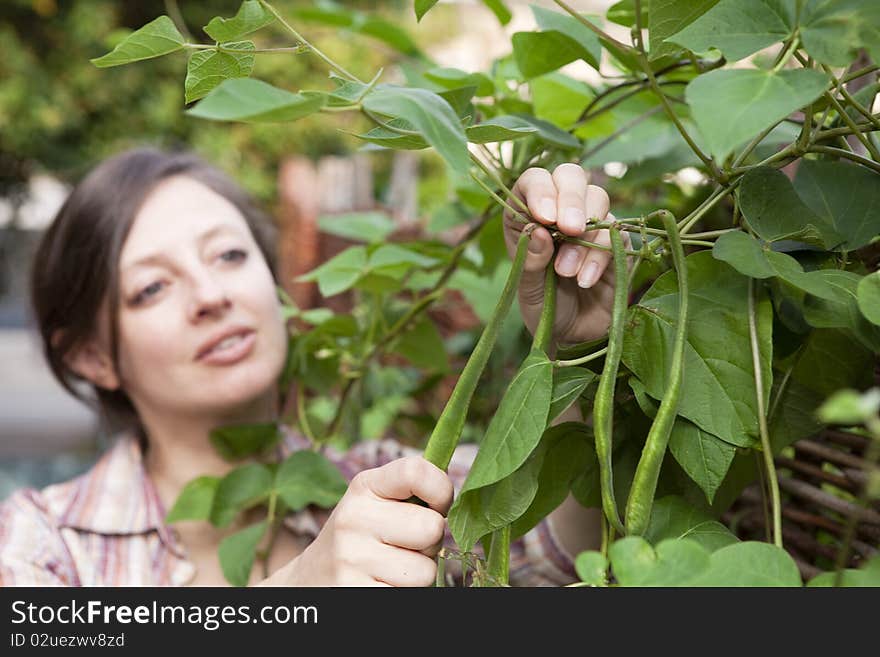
(565,200)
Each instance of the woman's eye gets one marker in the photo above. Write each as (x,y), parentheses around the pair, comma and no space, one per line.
(233,255)
(150,290)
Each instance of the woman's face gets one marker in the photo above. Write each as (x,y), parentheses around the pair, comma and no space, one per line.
(191,274)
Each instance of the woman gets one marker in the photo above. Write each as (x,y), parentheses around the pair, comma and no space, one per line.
(155,286)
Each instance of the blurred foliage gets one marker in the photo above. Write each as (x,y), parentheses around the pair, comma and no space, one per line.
(63,115)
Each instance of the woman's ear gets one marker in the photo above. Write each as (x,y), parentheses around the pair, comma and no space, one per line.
(92,362)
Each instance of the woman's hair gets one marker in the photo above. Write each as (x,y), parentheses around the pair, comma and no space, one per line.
(75,267)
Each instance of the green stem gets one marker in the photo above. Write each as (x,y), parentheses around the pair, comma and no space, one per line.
(773,481)
(846,118)
(787,54)
(872,456)
(623,129)
(582,359)
(839,152)
(497,180)
(336,67)
(621,48)
(447,431)
(714,198)
(233,51)
(301,413)
(499,557)
(514,213)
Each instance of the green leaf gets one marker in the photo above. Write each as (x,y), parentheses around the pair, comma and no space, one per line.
(236,442)
(738,28)
(704,457)
(833,31)
(501,128)
(430,114)
(240,489)
(591,567)
(497,7)
(672,518)
(745,254)
(624,13)
(775,211)
(422,345)
(750,564)
(339,273)
(208,68)
(868,293)
(812,381)
(718,394)
(194,501)
(454,78)
(340,17)
(731,106)
(513,433)
(156,38)
(667,17)
(368,227)
(550,134)
(422,7)
(251,16)
(867,575)
(559,99)
(674,562)
(249,100)
(307,477)
(850,407)
(842,310)
(846,196)
(563,39)
(564,452)
(568,384)
(238,551)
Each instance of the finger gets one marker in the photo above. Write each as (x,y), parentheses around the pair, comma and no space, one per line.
(571,184)
(433,550)
(569,259)
(408,526)
(597,203)
(535,186)
(596,260)
(399,567)
(408,476)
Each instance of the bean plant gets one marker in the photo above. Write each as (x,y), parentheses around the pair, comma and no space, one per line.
(751,308)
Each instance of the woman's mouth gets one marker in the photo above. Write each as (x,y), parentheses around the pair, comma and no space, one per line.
(231,349)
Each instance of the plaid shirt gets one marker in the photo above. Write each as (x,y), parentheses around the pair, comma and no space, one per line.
(107,527)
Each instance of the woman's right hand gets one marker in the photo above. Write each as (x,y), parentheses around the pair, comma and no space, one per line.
(375,538)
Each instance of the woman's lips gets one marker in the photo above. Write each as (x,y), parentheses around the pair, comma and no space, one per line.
(236,351)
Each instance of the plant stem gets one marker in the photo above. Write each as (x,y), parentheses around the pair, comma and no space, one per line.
(218,48)
(625,128)
(173,11)
(336,67)
(622,48)
(497,180)
(710,164)
(830,150)
(762,418)
(499,557)
(860,72)
(555,234)
(688,222)
(787,54)
(514,213)
(301,414)
(582,359)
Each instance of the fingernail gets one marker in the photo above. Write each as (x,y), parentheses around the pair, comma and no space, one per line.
(574,219)
(548,209)
(589,275)
(534,244)
(569,262)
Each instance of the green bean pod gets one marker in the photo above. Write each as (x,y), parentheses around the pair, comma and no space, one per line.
(644,485)
(447,431)
(603,404)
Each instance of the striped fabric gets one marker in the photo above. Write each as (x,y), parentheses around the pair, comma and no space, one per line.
(106,527)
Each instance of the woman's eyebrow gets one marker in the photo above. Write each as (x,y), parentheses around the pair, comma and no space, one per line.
(161,257)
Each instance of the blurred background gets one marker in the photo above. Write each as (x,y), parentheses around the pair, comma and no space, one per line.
(59,116)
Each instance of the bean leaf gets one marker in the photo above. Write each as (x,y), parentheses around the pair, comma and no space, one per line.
(704,457)
(307,477)
(568,384)
(718,394)
(156,38)
(502,128)
(513,433)
(749,564)
(666,17)
(673,517)
(731,106)
(208,68)
(359,226)
(235,442)
(422,7)
(238,551)
(842,310)
(249,100)
(868,292)
(674,562)
(591,567)
(240,489)
(251,16)
(194,501)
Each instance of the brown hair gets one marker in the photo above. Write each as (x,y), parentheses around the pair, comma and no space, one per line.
(74,270)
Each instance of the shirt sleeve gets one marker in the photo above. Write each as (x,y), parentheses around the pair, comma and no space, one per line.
(536,559)
(32,551)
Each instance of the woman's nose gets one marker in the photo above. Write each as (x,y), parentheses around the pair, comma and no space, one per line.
(209,297)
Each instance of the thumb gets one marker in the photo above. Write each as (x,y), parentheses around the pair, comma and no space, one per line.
(531,285)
